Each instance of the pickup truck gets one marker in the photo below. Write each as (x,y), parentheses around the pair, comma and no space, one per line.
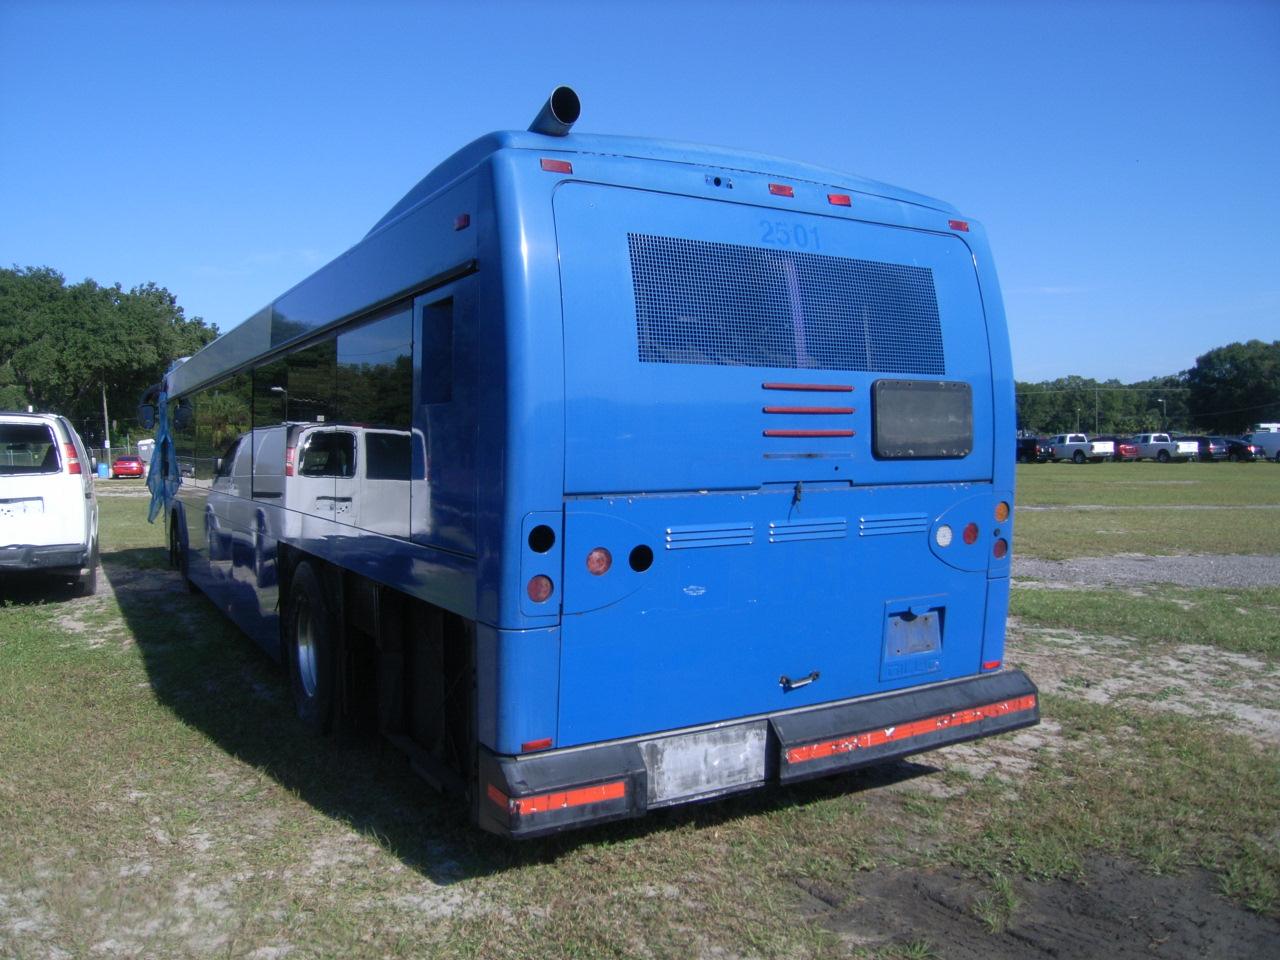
(1078,448)
(1162,447)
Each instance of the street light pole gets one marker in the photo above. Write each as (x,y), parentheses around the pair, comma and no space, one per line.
(284,393)
(1164,415)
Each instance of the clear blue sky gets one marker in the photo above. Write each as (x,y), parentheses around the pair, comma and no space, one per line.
(1125,157)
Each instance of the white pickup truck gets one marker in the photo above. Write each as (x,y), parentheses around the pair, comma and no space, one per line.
(1162,447)
(1078,448)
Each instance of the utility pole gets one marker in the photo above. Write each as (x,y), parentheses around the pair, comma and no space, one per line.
(1096,428)
(106,425)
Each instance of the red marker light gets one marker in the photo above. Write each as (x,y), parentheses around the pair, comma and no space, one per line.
(970,534)
(782,190)
(557,166)
(599,561)
(960,225)
(991,665)
(534,745)
(462,221)
(840,199)
(540,589)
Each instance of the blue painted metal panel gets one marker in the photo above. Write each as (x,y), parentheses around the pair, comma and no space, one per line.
(705,634)
(636,425)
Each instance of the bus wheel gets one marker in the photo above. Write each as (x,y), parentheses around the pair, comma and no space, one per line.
(309,639)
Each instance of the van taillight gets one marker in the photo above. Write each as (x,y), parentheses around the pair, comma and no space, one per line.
(288,461)
(73,461)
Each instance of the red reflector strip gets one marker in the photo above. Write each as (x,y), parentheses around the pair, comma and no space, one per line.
(532,745)
(808,433)
(816,387)
(961,225)
(905,731)
(808,409)
(840,199)
(542,802)
(991,665)
(557,166)
(462,221)
(782,190)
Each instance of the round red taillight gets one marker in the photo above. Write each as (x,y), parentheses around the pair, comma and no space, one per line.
(599,561)
(1001,549)
(540,589)
(970,534)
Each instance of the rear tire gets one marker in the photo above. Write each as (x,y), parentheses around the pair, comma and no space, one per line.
(87,585)
(1078,456)
(1163,456)
(309,642)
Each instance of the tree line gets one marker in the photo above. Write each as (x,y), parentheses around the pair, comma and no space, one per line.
(1224,392)
(88,351)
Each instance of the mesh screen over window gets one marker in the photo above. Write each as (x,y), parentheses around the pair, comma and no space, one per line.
(731,305)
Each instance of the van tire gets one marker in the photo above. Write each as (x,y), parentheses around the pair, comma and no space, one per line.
(87,585)
(309,646)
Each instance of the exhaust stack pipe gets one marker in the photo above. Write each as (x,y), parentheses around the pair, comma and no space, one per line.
(558,114)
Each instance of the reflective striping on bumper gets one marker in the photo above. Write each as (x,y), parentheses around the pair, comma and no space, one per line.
(905,731)
(560,800)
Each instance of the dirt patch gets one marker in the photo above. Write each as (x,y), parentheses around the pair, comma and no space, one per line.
(1236,690)
(1118,911)
(1196,570)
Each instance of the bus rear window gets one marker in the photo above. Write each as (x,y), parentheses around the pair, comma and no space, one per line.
(922,419)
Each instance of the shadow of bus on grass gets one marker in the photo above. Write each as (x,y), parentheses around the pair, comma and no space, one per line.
(219,683)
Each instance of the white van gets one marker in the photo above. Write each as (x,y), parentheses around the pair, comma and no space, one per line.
(48,509)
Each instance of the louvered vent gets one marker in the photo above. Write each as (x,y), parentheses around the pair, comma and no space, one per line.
(731,305)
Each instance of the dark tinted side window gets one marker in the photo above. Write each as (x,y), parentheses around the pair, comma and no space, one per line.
(922,419)
(374,381)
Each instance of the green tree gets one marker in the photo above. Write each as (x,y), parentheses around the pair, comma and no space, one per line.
(1236,385)
(85,349)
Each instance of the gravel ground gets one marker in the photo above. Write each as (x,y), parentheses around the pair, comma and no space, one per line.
(1131,568)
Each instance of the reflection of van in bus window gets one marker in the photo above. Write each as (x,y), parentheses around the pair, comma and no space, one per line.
(355,475)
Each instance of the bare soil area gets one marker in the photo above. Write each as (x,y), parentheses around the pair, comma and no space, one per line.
(1196,570)
(1117,912)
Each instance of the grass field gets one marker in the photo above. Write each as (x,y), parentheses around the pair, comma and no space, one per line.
(157,797)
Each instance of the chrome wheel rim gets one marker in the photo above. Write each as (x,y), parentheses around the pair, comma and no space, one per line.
(305,642)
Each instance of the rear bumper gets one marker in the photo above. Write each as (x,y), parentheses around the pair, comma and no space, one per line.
(61,556)
(537,794)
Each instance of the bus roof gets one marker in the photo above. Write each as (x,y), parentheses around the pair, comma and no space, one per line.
(643,148)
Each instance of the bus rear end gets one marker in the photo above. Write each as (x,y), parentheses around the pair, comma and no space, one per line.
(784,541)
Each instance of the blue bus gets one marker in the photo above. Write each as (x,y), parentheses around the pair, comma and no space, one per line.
(605,474)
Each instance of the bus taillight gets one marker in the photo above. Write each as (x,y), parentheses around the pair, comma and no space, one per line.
(970,535)
(782,190)
(599,561)
(1001,549)
(556,166)
(540,589)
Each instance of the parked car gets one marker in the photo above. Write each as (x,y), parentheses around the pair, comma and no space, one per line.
(1209,448)
(1078,448)
(1242,451)
(1163,447)
(48,509)
(1268,442)
(1125,449)
(127,466)
(1030,450)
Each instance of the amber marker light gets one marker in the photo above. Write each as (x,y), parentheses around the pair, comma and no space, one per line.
(1002,512)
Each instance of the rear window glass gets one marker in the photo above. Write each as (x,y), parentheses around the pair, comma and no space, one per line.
(922,419)
(27,448)
(329,454)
